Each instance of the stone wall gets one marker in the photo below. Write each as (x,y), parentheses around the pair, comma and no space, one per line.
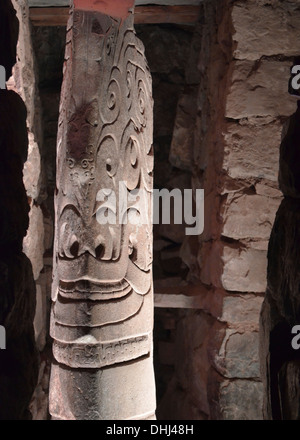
(39,185)
(231,148)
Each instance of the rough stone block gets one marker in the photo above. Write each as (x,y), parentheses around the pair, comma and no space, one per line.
(252,151)
(210,262)
(269,191)
(39,402)
(24,72)
(264,30)
(237,397)
(33,244)
(245,269)
(249,216)
(241,309)
(32,169)
(239,354)
(260,89)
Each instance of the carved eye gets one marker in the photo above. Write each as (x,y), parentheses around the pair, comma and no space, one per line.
(71,163)
(133,153)
(108,46)
(108,165)
(128,80)
(74,249)
(112,101)
(84,163)
(142,100)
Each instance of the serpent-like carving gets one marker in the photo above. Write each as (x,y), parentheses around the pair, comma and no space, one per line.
(102,311)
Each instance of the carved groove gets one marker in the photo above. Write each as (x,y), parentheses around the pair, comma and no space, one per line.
(102,289)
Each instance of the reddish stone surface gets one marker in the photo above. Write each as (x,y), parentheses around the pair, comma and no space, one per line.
(116,8)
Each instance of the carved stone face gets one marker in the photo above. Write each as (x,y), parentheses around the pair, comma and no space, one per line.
(102,310)
(107,141)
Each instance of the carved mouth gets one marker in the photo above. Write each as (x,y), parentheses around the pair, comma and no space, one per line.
(88,289)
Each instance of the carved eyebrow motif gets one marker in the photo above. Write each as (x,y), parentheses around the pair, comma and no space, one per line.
(70,207)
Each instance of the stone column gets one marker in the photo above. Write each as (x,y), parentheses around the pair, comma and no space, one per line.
(102,313)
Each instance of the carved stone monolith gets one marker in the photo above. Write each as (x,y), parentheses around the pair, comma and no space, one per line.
(102,311)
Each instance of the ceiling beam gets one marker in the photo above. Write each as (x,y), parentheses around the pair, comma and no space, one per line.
(143,15)
(166,14)
(49,16)
(61,3)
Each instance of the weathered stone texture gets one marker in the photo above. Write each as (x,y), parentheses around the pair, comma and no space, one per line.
(228,128)
(265,29)
(258,83)
(239,355)
(33,244)
(237,122)
(32,169)
(241,108)
(258,101)
(102,310)
(25,72)
(25,82)
(210,263)
(252,150)
(245,269)
(241,400)
(249,216)
(268,191)
(241,309)
(39,402)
